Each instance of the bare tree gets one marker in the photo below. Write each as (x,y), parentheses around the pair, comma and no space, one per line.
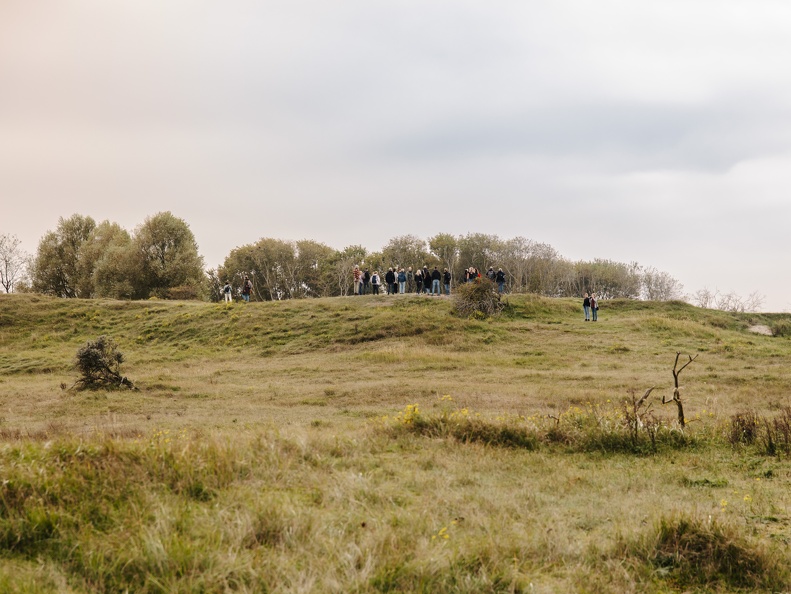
(13,262)
(732,302)
(660,286)
(676,390)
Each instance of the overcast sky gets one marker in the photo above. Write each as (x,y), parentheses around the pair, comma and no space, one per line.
(656,132)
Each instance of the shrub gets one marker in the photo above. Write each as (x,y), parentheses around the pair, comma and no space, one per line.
(99,362)
(696,553)
(477,299)
(781,328)
(744,428)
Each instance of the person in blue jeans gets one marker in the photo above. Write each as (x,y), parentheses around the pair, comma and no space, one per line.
(594,308)
(446,281)
(499,278)
(436,277)
(586,305)
(401,281)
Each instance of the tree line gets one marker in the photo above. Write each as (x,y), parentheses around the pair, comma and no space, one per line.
(160,258)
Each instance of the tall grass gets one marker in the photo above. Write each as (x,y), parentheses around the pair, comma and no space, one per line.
(256,456)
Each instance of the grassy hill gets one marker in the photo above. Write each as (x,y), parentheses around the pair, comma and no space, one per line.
(382,444)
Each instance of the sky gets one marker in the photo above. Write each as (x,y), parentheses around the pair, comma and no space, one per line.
(655,132)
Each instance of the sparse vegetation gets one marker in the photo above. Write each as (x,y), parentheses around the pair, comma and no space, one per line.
(516,455)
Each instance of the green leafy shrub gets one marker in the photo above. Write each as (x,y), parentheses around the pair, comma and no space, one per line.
(99,362)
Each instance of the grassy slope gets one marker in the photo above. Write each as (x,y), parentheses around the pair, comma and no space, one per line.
(271,411)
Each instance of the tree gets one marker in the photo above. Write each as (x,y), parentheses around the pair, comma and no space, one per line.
(167,257)
(55,268)
(103,267)
(13,262)
(269,263)
(478,249)
(731,302)
(343,266)
(314,275)
(445,248)
(514,258)
(660,286)
(404,251)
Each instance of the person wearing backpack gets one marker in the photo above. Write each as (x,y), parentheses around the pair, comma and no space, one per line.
(247,288)
(375,282)
(226,291)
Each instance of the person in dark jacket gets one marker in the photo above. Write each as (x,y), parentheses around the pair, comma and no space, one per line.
(418,281)
(366,281)
(436,277)
(446,281)
(499,278)
(390,279)
(586,305)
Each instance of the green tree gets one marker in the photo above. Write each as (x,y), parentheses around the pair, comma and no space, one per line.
(93,254)
(445,248)
(479,250)
(55,269)
(269,263)
(314,271)
(404,251)
(167,258)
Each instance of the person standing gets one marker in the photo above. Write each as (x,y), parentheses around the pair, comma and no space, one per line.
(490,274)
(401,282)
(410,279)
(366,281)
(446,280)
(390,279)
(499,278)
(586,305)
(375,282)
(247,288)
(226,291)
(418,281)
(594,308)
(426,279)
(436,276)
(358,280)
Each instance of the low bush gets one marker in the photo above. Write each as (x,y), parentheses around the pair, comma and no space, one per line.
(478,299)
(781,328)
(592,429)
(694,553)
(99,363)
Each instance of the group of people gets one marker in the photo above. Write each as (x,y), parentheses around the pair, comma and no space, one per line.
(247,288)
(422,280)
(591,306)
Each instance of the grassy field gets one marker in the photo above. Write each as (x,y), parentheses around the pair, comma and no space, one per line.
(383,445)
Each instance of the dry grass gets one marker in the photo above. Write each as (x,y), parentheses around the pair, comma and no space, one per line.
(255,457)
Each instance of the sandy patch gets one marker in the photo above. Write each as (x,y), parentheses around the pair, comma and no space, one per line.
(761,329)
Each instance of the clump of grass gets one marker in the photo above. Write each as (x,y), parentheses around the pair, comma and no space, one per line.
(690,552)
(781,328)
(744,428)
